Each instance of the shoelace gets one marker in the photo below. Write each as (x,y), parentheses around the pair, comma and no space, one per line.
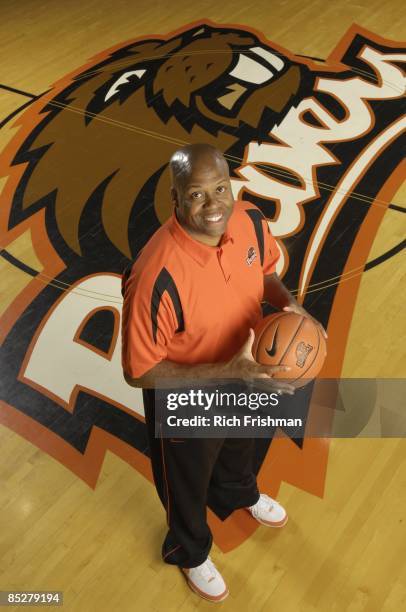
(207,570)
(264,502)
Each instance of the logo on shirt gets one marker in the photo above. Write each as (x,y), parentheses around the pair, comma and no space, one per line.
(251,255)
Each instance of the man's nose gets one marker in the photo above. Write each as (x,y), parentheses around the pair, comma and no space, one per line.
(210,200)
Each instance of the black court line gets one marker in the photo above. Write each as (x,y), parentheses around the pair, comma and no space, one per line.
(385,256)
(398,208)
(316,59)
(17,263)
(15,112)
(32,98)
(19,91)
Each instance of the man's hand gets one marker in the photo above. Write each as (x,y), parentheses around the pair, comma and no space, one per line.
(276,294)
(244,366)
(294,307)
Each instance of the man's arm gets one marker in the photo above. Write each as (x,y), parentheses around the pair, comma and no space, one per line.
(168,372)
(276,294)
(243,366)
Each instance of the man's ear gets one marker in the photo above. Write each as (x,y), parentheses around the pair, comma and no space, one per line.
(174,196)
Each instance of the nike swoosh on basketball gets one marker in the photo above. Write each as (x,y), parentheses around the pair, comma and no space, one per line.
(272,351)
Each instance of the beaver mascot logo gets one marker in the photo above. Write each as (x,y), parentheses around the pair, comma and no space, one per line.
(87,183)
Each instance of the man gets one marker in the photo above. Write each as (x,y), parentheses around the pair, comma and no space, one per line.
(190,300)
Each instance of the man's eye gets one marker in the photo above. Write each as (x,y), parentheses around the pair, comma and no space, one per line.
(196,195)
(221,188)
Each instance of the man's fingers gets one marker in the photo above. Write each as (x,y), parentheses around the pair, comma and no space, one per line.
(270,384)
(282,387)
(249,342)
(289,390)
(278,368)
(323,331)
(266,380)
(309,316)
(316,322)
(271,369)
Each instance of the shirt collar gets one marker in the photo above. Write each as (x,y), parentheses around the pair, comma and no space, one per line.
(197,250)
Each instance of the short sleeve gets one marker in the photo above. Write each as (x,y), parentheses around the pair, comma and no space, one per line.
(271,249)
(147,328)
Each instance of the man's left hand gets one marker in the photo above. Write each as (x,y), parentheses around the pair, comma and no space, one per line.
(294,307)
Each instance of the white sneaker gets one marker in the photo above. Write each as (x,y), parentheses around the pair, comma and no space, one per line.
(268,512)
(206,581)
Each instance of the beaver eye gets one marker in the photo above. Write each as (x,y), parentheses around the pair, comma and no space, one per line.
(124,78)
(250,71)
(271,58)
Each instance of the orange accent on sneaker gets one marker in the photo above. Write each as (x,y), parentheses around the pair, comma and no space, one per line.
(196,589)
(269,523)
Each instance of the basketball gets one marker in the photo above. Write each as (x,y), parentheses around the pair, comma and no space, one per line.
(290,339)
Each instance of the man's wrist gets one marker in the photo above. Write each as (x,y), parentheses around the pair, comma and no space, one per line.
(221,370)
(275,292)
(291,301)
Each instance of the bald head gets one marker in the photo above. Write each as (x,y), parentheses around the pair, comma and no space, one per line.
(185,159)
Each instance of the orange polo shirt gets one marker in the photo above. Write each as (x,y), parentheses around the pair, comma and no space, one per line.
(191,303)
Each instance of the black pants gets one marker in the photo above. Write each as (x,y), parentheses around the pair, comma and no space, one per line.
(192,474)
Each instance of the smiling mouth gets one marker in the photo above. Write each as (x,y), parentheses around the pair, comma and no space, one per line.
(215,218)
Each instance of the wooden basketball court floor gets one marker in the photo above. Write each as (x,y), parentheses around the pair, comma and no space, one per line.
(96,535)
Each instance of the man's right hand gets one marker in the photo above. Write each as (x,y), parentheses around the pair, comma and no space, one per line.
(244,366)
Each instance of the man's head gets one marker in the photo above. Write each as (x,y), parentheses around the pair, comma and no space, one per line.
(201,191)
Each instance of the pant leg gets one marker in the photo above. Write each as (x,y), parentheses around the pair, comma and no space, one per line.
(182,471)
(233,483)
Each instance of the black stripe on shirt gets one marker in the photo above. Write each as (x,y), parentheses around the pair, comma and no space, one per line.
(165,282)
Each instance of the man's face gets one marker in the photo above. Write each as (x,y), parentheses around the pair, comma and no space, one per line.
(204,200)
